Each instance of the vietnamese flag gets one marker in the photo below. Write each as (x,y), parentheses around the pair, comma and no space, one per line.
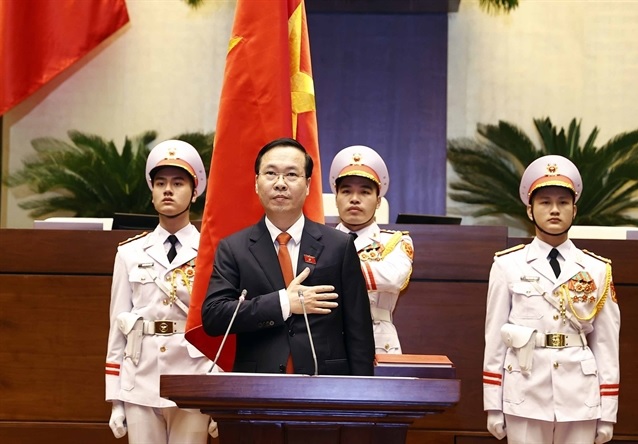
(267,93)
(41,38)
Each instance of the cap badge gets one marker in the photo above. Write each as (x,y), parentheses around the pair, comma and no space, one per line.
(552,170)
(356,158)
(171,153)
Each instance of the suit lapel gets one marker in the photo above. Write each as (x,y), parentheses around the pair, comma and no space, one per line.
(537,260)
(154,247)
(188,251)
(263,249)
(310,248)
(573,263)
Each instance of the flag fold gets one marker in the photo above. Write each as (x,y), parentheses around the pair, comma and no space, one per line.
(267,93)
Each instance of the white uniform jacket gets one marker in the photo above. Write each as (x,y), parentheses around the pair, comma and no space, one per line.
(142,284)
(563,384)
(386,262)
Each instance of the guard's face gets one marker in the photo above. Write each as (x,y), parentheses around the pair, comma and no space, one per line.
(281,183)
(553,209)
(357,201)
(172,191)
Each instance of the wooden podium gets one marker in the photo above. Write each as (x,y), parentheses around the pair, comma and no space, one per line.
(300,409)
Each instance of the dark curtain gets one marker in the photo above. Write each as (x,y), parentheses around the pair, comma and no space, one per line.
(380,80)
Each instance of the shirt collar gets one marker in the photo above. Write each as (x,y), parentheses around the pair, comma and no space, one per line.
(294,231)
(181,235)
(544,248)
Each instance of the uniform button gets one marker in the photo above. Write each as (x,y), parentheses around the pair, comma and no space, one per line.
(142,279)
(162,349)
(509,368)
(165,302)
(555,364)
(556,317)
(387,346)
(167,278)
(282,368)
(291,333)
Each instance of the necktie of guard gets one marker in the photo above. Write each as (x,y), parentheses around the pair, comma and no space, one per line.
(172,252)
(286,269)
(554,262)
(354,235)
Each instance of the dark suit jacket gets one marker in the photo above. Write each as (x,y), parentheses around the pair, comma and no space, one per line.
(343,339)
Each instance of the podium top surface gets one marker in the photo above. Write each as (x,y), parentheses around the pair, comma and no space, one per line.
(345,393)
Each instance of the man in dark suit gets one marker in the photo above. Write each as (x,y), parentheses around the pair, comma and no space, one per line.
(269,326)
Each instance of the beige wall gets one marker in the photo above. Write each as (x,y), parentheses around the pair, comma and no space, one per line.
(162,72)
(561,59)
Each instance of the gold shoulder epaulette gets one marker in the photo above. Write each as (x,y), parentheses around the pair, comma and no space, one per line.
(385,230)
(130,239)
(509,250)
(600,258)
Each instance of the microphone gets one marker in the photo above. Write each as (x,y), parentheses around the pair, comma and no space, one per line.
(242,296)
(312,345)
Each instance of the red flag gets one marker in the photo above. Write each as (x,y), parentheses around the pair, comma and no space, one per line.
(41,38)
(267,93)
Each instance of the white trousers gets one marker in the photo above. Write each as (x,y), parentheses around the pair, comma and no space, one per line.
(169,425)
(532,431)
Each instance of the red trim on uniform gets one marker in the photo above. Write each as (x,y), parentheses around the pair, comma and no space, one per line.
(372,285)
(112,369)
(365,275)
(492,378)
(609,389)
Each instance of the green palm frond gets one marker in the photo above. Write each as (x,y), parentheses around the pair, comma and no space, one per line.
(490,169)
(495,6)
(90,177)
(194,3)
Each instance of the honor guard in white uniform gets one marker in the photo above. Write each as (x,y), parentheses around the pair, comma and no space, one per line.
(551,366)
(152,281)
(359,179)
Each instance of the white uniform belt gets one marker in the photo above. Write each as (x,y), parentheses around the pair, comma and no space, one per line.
(380,314)
(163,327)
(559,340)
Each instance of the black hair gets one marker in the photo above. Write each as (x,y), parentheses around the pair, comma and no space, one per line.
(531,197)
(155,170)
(285,142)
(340,179)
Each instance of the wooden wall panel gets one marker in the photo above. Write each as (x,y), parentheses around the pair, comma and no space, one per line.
(54,298)
(53,364)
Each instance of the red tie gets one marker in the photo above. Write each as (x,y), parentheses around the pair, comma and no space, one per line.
(284,257)
(286,269)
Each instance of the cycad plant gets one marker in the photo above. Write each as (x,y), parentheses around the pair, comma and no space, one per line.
(490,169)
(90,177)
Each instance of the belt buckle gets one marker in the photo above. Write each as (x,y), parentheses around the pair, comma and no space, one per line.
(163,327)
(555,340)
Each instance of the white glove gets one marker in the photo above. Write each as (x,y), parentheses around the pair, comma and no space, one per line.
(118,419)
(604,432)
(212,428)
(496,423)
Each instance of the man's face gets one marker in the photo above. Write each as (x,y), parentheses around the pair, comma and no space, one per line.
(281,184)
(357,200)
(172,191)
(553,209)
